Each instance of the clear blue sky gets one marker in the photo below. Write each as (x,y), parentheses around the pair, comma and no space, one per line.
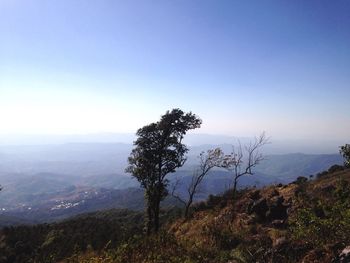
(114,66)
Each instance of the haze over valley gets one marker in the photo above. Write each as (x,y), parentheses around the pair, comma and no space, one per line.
(56,178)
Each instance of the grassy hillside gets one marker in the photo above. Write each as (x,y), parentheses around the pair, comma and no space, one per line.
(303,221)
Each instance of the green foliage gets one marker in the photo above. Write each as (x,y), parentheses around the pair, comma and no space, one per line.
(151,249)
(223,237)
(159,151)
(335,168)
(310,228)
(345,152)
(53,242)
(301,190)
(328,221)
(253,250)
(301,180)
(219,200)
(342,192)
(322,174)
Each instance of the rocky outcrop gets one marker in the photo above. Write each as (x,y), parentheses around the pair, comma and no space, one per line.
(343,257)
(255,195)
(259,207)
(275,209)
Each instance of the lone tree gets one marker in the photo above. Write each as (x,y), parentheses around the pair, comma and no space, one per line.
(159,151)
(207,161)
(243,159)
(345,152)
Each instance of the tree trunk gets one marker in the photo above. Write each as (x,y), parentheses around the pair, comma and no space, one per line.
(188,205)
(156,215)
(234,190)
(149,219)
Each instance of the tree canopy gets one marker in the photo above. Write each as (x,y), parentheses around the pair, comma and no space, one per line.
(159,151)
(345,152)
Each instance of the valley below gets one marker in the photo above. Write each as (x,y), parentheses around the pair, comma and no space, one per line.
(53,182)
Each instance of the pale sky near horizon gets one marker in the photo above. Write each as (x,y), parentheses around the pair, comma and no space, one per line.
(70,67)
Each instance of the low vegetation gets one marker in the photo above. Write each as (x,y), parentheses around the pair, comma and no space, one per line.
(54,242)
(304,221)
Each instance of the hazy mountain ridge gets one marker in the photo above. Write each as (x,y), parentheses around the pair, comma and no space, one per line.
(36,179)
(89,159)
(278,145)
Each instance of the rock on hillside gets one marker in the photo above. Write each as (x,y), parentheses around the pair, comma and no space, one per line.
(304,221)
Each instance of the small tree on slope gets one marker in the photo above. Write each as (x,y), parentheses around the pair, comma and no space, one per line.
(345,152)
(208,160)
(243,159)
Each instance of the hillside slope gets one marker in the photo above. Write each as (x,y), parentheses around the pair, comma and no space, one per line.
(304,221)
(299,222)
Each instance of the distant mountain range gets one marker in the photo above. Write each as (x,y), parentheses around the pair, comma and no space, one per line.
(278,146)
(51,182)
(89,159)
